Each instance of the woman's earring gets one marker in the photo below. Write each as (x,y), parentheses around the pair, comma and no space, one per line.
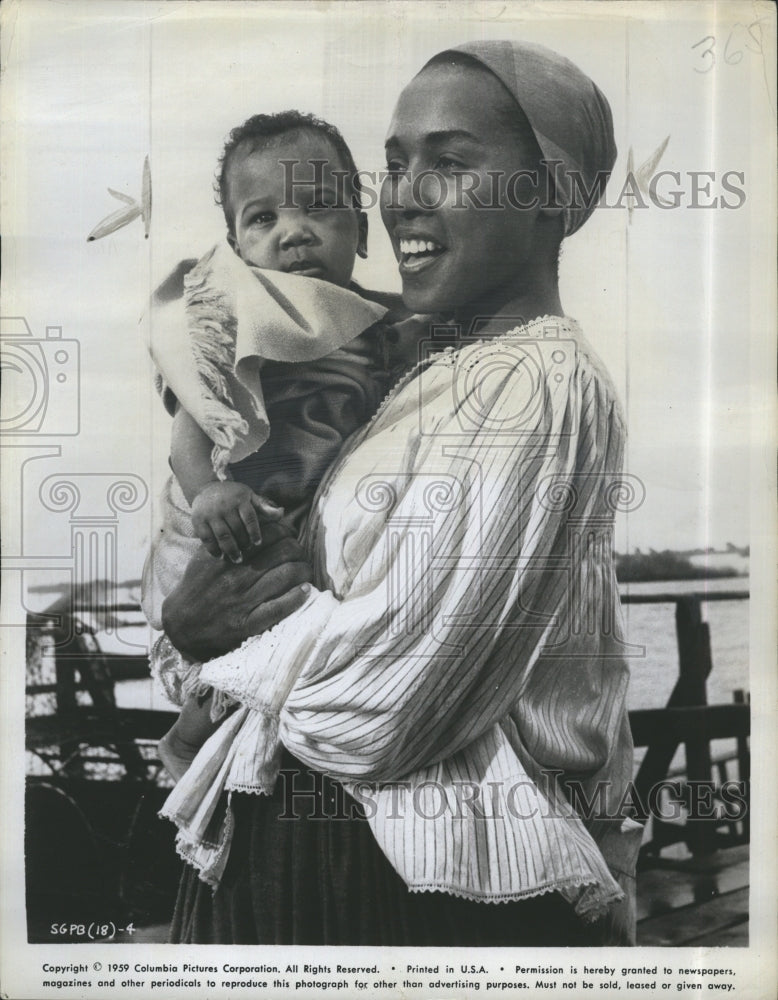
(362,252)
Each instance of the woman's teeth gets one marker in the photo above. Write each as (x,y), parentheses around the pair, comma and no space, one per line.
(419,246)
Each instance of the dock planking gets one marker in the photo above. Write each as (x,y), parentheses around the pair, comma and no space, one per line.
(699,901)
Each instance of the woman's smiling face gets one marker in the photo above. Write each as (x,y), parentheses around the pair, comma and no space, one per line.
(448,135)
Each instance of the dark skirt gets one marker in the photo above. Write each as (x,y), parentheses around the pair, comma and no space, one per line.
(305,869)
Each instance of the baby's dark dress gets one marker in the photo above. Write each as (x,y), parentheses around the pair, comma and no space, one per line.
(312,409)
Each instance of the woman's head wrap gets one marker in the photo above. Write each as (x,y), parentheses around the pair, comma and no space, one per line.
(568,114)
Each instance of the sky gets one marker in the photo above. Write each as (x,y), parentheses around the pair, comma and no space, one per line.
(678,302)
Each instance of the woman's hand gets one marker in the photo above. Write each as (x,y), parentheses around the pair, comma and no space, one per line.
(217,605)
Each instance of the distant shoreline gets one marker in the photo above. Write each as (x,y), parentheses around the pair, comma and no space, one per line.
(651,567)
(633,567)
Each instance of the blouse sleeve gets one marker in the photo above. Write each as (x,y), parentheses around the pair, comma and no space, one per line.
(179,678)
(443,623)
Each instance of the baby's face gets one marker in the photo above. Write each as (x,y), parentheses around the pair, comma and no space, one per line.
(307,229)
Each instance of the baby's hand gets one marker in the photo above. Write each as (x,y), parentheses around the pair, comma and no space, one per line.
(225,516)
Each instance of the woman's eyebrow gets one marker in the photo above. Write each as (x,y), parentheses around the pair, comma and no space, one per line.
(446,135)
(437,137)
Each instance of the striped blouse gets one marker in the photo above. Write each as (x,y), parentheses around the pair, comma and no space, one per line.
(462,665)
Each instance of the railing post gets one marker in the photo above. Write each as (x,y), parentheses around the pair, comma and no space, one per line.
(744,763)
(694,666)
(694,658)
(67,704)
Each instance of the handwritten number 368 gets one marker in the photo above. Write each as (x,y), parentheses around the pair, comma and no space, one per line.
(733,48)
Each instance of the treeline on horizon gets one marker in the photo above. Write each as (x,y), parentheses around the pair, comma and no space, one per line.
(644,567)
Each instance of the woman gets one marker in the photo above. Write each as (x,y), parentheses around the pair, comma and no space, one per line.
(459,669)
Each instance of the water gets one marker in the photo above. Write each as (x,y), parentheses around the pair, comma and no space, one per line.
(653,676)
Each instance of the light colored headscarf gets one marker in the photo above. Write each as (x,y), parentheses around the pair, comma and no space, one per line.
(569,115)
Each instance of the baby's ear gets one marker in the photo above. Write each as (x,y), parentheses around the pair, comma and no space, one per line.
(362,241)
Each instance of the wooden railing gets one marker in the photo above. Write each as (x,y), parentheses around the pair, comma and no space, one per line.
(688,719)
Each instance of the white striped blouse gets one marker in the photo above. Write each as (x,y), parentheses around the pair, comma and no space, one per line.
(463,661)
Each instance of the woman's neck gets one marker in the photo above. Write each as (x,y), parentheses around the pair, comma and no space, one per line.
(499,312)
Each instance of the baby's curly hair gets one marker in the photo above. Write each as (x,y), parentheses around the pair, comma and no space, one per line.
(259,128)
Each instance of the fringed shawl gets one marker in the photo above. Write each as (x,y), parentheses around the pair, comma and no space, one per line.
(240,318)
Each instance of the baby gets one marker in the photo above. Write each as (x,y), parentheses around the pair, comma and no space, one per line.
(246,450)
